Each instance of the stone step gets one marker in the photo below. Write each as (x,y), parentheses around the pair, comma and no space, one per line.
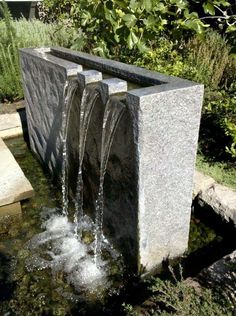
(10,125)
(14,186)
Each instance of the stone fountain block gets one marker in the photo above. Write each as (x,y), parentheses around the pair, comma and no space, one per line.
(112,86)
(87,77)
(149,179)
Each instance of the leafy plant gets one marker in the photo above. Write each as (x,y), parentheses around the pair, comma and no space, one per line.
(205,60)
(114,24)
(220,112)
(9,82)
(165,58)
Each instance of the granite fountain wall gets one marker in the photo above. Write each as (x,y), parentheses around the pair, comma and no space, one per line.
(149,178)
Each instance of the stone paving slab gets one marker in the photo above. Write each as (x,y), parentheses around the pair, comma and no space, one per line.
(14,186)
(10,125)
(10,209)
(220,198)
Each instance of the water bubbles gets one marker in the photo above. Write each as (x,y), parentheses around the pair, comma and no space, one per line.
(57,224)
(59,249)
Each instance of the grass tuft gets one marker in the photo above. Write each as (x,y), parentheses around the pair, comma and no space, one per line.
(223,173)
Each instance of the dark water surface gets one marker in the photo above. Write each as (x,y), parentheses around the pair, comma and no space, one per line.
(25,292)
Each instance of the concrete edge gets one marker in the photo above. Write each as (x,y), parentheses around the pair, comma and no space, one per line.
(28,189)
(11,128)
(221,199)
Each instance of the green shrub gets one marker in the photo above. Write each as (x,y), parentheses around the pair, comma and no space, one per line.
(210,56)
(215,67)
(19,34)
(219,123)
(177,297)
(111,25)
(165,58)
(205,60)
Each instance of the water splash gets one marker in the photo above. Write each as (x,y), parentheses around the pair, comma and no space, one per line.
(88,101)
(58,249)
(68,94)
(113,111)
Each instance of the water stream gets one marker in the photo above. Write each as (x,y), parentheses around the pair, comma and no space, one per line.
(68,94)
(88,100)
(112,115)
(59,247)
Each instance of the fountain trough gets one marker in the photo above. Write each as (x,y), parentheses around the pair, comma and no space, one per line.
(123,140)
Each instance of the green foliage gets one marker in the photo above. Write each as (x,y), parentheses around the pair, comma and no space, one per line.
(19,34)
(177,297)
(215,67)
(110,25)
(205,60)
(200,235)
(223,173)
(8,57)
(211,59)
(220,113)
(166,59)
(129,310)
(181,299)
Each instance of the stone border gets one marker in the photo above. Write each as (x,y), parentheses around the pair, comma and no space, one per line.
(11,125)
(142,76)
(14,186)
(220,198)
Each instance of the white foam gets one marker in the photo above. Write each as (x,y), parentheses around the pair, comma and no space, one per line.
(66,252)
(88,275)
(57,224)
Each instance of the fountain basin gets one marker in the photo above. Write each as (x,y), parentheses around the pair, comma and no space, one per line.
(149,175)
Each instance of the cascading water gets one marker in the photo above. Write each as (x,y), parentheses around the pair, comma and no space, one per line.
(113,111)
(88,100)
(68,94)
(65,251)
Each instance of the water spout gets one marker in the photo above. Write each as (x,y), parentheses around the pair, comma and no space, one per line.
(113,111)
(68,94)
(88,101)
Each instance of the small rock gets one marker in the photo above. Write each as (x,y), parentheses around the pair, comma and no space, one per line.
(221,273)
